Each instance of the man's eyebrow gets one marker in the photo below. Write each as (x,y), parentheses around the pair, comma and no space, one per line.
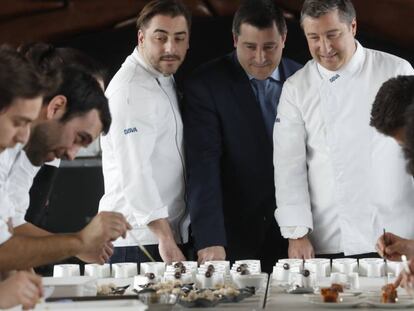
(166,32)
(22,118)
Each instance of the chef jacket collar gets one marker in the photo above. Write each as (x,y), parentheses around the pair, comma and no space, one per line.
(348,69)
(155,73)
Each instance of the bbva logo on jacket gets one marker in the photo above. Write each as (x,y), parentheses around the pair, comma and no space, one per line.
(130,130)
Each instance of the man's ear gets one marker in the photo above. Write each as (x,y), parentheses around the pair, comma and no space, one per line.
(140,37)
(235,39)
(56,107)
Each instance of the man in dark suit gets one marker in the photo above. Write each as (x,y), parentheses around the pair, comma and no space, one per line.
(229,112)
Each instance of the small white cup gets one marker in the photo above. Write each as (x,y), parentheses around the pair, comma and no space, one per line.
(320,266)
(280,273)
(98,271)
(158,268)
(345,265)
(66,270)
(370,267)
(338,278)
(210,282)
(124,270)
(353,280)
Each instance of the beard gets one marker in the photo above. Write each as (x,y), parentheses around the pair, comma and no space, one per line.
(39,144)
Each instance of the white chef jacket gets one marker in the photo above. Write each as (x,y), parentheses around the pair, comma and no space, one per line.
(7,158)
(19,180)
(334,174)
(142,155)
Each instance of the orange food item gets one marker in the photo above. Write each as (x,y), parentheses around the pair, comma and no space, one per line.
(338,287)
(329,294)
(389,294)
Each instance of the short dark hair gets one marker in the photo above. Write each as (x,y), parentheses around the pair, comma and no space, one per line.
(75,74)
(260,14)
(172,8)
(83,94)
(50,60)
(317,8)
(409,138)
(18,78)
(391,102)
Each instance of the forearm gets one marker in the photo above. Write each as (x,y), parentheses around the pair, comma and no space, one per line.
(161,228)
(30,230)
(23,252)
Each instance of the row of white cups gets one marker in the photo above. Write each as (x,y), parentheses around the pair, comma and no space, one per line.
(158,269)
(341,270)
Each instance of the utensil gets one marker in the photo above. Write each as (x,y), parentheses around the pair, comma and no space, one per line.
(119,290)
(142,247)
(386,280)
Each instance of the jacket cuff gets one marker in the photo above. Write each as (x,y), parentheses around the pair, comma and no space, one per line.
(294,232)
(143,220)
(214,236)
(294,217)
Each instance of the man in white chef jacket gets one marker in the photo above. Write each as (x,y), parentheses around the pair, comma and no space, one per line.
(71,116)
(338,181)
(142,155)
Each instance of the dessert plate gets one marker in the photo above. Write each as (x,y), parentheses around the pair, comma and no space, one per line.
(343,302)
(401,303)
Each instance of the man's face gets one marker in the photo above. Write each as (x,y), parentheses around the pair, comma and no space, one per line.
(164,42)
(54,139)
(259,51)
(15,121)
(331,41)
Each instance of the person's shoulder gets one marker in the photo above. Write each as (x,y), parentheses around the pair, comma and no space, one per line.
(291,65)
(131,72)
(386,60)
(214,68)
(303,74)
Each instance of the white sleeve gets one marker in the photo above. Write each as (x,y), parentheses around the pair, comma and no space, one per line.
(133,136)
(289,158)
(5,214)
(4,231)
(294,232)
(18,186)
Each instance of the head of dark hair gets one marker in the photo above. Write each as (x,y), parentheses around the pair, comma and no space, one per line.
(172,8)
(409,138)
(260,14)
(391,102)
(18,78)
(83,94)
(317,8)
(50,62)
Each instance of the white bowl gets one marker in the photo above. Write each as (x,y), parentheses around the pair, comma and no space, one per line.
(250,280)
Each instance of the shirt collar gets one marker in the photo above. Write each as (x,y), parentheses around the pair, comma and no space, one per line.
(274,76)
(348,69)
(140,59)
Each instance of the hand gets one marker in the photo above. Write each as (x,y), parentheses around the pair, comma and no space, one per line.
(105,227)
(98,256)
(396,246)
(301,248)
(169,251)
(406,279)
(22,288)
(211,253)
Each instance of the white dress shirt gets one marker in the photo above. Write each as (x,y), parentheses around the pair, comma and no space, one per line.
(334,174)
(142,155)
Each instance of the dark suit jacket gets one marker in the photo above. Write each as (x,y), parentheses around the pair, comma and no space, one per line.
(229,159)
